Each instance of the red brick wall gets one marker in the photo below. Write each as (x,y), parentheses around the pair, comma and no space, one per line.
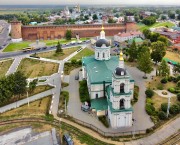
(56,32)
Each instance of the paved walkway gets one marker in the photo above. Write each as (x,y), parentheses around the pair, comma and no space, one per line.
(155,138)
(143,120)
(14,65)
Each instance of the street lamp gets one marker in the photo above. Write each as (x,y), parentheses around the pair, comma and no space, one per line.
(133,127)
(168,107)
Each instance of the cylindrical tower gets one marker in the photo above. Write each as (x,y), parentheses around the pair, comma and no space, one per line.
(16,33)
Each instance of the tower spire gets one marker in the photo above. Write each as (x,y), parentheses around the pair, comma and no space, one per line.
(121,59)
(102,33)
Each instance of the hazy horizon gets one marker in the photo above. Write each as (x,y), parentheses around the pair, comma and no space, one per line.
(87,2)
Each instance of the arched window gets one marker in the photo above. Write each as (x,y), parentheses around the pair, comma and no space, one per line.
(103,55)
(122,88)
(122,104)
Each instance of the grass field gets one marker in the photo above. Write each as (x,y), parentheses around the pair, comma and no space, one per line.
(24,44)
(142,26)
(58,56)
(83,53)
(35,68)
(158,100)
(36,108)
(4,66)
(172,56)
(17,46)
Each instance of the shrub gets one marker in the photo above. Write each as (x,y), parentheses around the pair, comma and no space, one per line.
(104,121)
(172,90)
(149,130)
(175,80)
(170,78)
(178,97)
(149,101)
(178,84)
(164,81)
(164,107)
(73,61)
(174,109)
(178,78)
(150,109)
(162,115)
(149,93)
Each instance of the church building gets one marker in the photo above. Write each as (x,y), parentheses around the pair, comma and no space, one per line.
(109,84)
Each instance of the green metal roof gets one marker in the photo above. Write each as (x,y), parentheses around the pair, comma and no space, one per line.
(99,104)
(100,71)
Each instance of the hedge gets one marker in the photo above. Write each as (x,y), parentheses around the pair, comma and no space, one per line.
(83,91)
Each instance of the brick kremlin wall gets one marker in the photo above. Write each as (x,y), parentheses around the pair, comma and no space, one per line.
(57,32)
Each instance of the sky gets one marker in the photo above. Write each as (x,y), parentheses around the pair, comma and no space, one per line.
(90,2)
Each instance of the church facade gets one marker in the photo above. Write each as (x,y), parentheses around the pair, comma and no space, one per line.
(109,84)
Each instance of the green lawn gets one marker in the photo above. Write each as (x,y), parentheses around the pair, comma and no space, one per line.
(17,46)
(24,44)
(4,66)
(83,53)
(142,26)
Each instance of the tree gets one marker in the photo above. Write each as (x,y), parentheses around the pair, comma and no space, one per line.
(171,15)
(163,39)
(163,17)
(144,63)
(68,35)
(154,37)
(174,109)
(18,83)
(164,69)
(149,20)
(158,51)
(58,49)
(132,51)
(5,90)
(95,17)
(147,33)
(110,20)
(32,85)
(178,17)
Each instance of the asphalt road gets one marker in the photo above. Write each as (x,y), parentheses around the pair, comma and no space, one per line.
(5,33)
(21,53)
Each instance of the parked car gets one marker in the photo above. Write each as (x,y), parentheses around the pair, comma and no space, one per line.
(45,47)
(67,139)
(85,108)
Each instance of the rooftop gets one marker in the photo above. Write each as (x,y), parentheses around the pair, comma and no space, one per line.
(99,104)
(100,71)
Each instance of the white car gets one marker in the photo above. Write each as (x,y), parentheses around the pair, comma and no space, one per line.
(79,42)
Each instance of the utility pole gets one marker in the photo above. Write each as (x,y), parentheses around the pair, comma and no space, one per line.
(28,98)
(168,107)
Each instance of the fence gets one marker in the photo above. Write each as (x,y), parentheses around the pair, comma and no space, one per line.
(108,134)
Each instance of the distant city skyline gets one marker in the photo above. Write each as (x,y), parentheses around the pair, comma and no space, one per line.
(90,2)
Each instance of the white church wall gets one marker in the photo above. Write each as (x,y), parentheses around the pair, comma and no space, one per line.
(101,113)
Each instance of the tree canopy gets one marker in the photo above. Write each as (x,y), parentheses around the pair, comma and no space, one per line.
(144,62)
(164,69)
(68,35)
(158,51)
